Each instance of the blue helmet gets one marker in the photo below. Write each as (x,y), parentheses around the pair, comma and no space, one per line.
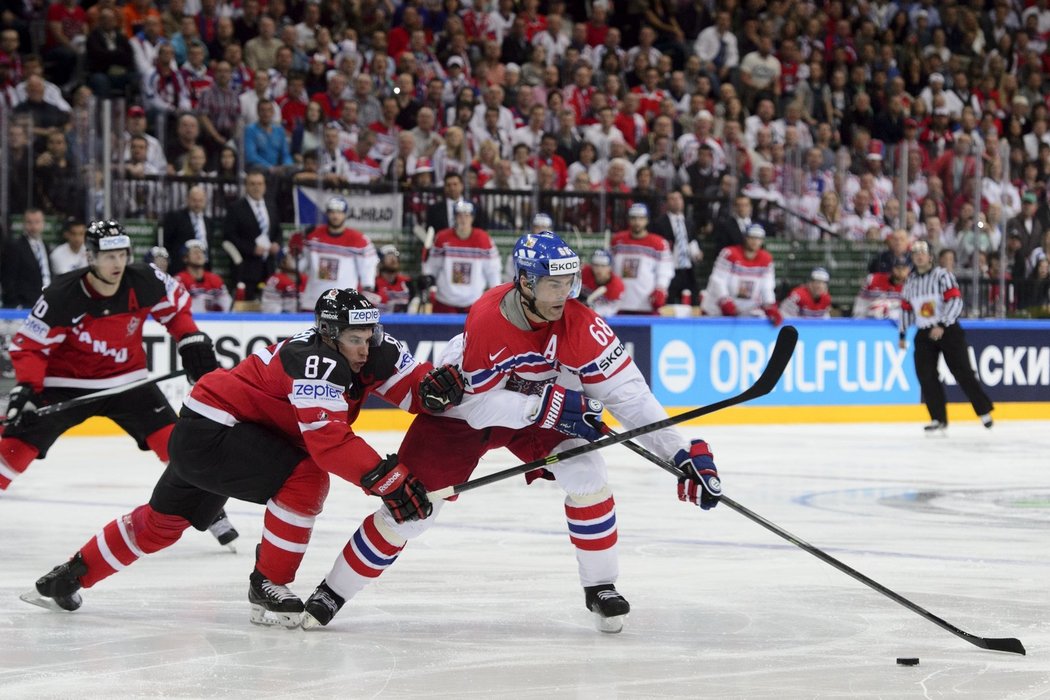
(545,254)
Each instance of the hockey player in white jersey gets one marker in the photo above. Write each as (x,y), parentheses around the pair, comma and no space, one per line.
(644,263)
(742,282)
(337,256)
(540,368)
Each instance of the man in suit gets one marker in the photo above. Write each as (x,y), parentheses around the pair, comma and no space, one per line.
(24,265)
(1027,226)
(440,215)
(187,224)
(731,225)
(253,229)
(683,236)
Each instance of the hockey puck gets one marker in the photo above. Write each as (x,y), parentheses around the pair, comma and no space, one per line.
(907,661)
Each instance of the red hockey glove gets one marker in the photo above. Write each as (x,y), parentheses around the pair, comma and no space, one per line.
(658,298)
(773,314)
(441,389)
(570,412)
(402,493)
(728,307)
(700,485)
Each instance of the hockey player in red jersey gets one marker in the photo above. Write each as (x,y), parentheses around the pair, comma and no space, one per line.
(521,339)
(809,300)
(880,297)
(395,289)
(742,280)
(601,288)
(643,261)
(270,431)
(284,287)
(83,335)
(207,290)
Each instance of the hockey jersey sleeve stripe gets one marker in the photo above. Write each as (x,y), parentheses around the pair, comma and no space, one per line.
(316,425)
(107,383)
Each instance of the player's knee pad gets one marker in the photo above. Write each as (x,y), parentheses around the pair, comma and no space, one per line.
(305,490)
(582,500)
(158,442)
(581,475)
(398,533)
(153,531)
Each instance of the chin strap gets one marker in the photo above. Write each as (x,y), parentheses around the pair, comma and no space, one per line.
(530,303)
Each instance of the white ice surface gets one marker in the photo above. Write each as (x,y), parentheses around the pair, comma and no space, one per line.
(487,604)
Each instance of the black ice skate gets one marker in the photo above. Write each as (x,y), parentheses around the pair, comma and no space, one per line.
(272,603)
(608,605)
(321,607)
(936,427)
(57,589)
(224,531)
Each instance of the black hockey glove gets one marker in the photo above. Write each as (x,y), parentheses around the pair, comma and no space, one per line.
(403,494)
(21,405)
(198,355)
(441,389)
(700,485)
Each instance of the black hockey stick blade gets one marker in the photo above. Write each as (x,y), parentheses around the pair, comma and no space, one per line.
(88,398)
(1008,644)
(778,360)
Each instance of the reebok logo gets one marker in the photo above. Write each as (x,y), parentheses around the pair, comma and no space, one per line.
(391,479)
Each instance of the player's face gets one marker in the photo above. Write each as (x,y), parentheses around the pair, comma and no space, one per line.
(752,243)
(638,224)
(602,273)
(109,265)
(551,294)
(353,344)
(336,219)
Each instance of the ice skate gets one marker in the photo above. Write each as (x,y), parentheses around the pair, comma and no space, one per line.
(321,607)
(936,427)
(58,589)
(608,605)
(272,603)
(222,529)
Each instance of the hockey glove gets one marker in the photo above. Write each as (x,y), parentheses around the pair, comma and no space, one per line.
(728,307)
(441,389)
(700,485)
(403,494)
(773,314)
(21,404)
(198,355)
(570,412)
(658,298)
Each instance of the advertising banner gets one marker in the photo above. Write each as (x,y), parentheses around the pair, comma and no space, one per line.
(371,213)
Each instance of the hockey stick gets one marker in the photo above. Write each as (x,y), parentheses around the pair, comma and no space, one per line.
(88,398)
(1008,644)
(778,360)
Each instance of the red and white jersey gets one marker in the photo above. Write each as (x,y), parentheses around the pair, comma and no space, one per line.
(76,338)
(879,298)
(644,264)
(507,361)
(603,298)
(748,283)
(306,391)
(801,304)
(394,296)
(462,268)
(346,260)
(281,294)
(209,293)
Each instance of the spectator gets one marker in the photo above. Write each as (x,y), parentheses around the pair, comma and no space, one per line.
(163,88)
(250,99)
(110,61)
(897,245)
(742,281)
(260,52)
(187,224)
(136,126)
(219,108)
(265,144)
(207,291)
(880,297)
(809,300)
(45,117)
(196,73)
(187,137)
(643,261)
(253,230)
(683,237)
(1027,225)
(71,255)
(730,228)
(463,263)
(59,186)
(24,265)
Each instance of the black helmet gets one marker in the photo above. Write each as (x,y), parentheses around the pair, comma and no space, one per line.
(104,236)
(339,309)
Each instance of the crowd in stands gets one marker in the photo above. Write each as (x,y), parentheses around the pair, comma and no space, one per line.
(863,121)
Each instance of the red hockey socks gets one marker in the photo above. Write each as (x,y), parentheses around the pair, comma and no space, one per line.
(15,457)
(592,530)
(289,521)
(368,553)
(121,542)
(158,441)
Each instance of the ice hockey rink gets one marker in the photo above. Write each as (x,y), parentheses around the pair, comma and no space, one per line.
(487,604)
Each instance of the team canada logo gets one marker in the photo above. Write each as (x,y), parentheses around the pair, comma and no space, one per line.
(133,324)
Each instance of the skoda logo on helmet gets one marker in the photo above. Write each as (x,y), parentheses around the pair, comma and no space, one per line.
(564,267)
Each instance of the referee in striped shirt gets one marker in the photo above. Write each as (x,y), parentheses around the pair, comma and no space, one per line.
(931,299)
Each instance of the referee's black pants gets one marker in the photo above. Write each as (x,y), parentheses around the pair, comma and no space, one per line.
(954,348)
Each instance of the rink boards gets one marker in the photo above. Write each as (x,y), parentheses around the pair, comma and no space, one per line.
(843,370)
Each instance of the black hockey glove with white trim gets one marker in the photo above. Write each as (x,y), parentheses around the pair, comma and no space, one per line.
(570,412)
(198,355)
(21,405)
(700,485)
(441,389)
(403,494)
